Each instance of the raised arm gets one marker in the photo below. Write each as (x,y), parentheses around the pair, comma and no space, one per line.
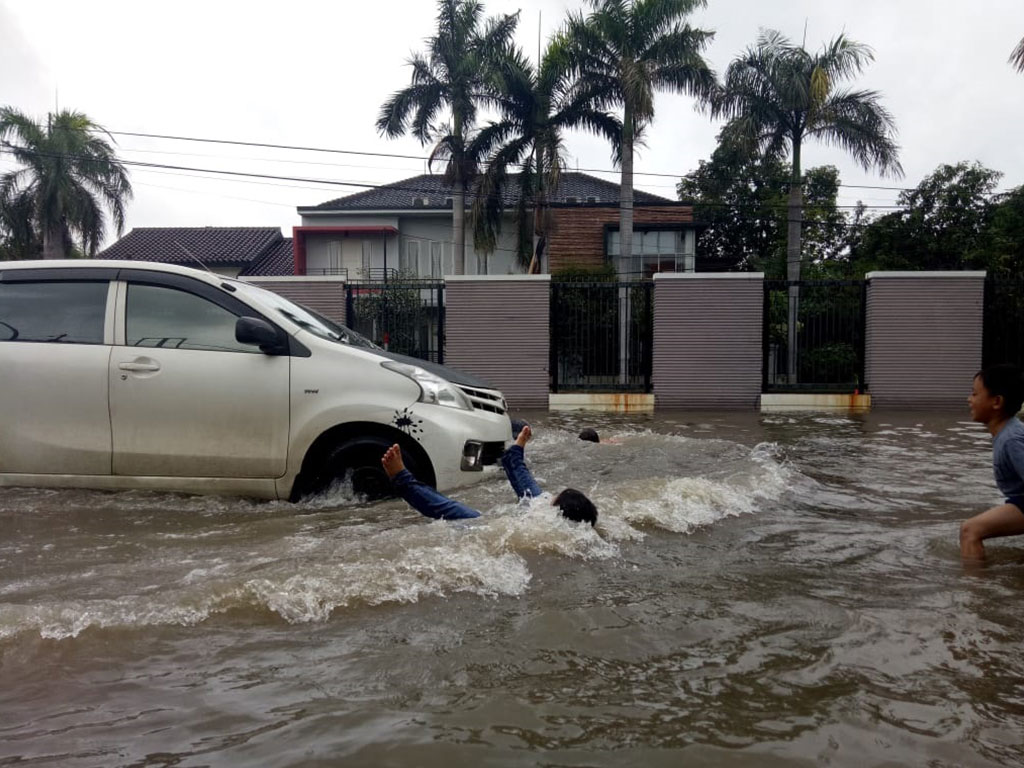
(513,461)
(420,496)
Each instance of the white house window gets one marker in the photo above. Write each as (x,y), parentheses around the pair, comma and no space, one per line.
(435,260)
(655,250)
(409,260)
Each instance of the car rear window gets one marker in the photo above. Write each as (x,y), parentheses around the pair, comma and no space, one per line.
(58,312)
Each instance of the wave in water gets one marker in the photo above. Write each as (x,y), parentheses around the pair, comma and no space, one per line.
(302,569)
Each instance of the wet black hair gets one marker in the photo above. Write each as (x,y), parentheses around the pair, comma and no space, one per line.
(517,427)
(590,434)
(1006,381)
(576,507)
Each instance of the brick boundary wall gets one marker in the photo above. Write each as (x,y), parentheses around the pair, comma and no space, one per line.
(326,295)
(498,328)
(707,339)
(924,335)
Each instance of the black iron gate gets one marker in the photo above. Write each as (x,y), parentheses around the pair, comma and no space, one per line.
(601,336)
(406,317)
(1004,321)
(829,335)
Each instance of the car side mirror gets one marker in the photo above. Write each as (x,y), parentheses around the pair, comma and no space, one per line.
(260,333)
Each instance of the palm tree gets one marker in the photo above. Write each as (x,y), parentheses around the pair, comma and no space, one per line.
(70,173)
(625,50)
(449,76)
(1017,57)
(778,95)
(537,104)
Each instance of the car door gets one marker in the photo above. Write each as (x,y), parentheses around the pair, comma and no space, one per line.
(55,335)
(186,398)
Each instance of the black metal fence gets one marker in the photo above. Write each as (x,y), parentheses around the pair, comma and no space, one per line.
(405,317)
(1003,340)
(829,336)
(601,336)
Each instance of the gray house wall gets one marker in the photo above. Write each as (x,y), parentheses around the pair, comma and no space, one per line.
(325,295)
(923,337)
(707,339)
(497,328)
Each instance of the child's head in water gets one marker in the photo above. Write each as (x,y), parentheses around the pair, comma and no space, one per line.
(590,435)
(575,506)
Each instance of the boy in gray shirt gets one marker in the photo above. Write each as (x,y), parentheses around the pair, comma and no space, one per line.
(995,400)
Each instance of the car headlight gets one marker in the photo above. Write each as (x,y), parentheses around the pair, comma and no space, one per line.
(433,389)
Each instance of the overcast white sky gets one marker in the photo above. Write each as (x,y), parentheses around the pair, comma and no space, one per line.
(315,74)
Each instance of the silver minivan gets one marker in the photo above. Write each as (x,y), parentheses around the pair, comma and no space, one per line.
(117,375)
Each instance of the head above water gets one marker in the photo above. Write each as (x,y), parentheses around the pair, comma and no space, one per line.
(575,506)
(1006,382)
(590,434)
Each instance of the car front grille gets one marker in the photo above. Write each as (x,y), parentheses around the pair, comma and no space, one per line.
(485,399)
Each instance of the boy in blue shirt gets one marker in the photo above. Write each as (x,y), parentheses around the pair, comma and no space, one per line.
(995,400)
(429,502)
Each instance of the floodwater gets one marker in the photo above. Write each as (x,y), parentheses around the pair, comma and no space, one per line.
(761,590)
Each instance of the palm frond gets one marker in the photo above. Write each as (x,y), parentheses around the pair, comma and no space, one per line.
(1017,57)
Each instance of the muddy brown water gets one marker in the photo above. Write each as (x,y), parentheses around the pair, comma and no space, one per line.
(762,590)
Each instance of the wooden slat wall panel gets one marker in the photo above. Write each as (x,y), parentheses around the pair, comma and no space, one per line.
(327,298)
(923,340)
(707,342)
(577,234)
(498,331)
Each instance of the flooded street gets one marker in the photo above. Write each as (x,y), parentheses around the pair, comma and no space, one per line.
(761,590)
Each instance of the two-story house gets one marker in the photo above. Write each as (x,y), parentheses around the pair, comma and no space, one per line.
(407,226)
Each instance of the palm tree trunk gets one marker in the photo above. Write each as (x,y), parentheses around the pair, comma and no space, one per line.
(459,226)
(795,212)
(539,204)
(625,240)
(626,194)
(54,246)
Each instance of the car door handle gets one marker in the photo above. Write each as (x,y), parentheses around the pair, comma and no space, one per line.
(139,367)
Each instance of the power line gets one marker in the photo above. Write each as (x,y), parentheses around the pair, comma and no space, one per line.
(244,176)
(301,148)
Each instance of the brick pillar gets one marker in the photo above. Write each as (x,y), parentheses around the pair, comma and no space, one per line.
(924,335)
(497,328)
(707,339)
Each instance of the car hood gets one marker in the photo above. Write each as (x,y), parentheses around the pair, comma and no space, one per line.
(446,373)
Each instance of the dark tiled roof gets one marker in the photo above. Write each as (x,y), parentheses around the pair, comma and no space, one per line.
(573,187)
(213,246)
(276,260)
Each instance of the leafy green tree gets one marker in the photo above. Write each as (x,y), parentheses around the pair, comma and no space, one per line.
(777,95)
(1006,233)
(537,105)
(740,197)
(450,77)
(626,50)
(946,224)
(69,173)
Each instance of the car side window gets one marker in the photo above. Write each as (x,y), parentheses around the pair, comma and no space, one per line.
(158,316)
(53,311)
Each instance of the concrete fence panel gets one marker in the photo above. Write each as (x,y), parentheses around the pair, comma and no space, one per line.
(325,295)
(497,328)
(923,337)
(707,339)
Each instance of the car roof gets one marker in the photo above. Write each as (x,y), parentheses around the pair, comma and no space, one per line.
(154,266)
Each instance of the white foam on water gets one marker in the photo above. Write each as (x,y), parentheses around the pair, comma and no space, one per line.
(311,572)
(683,504)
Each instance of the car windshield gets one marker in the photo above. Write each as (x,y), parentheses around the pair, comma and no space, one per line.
(314,322)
